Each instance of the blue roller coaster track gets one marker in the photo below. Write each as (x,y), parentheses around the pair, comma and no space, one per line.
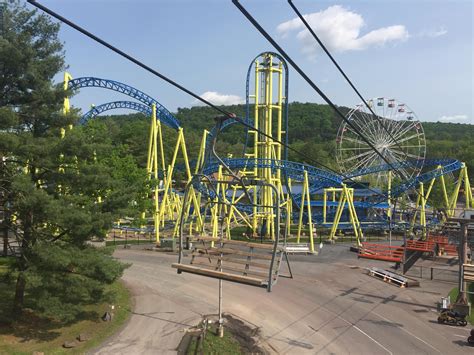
(130,105)
(318,178)
(164,115)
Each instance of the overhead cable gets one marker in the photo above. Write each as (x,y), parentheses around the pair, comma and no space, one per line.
(196,96)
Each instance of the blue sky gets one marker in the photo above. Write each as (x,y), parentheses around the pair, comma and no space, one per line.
(419,52)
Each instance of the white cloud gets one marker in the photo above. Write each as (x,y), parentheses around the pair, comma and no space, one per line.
(339,29)
(453,118)
(219,99)
(433,33)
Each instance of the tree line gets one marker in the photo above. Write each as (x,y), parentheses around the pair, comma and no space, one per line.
(312,130)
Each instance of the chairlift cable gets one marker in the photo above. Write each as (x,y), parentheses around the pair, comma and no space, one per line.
(295,9)
(196,96)
(311,83)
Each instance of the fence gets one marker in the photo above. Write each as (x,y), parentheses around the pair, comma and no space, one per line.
(125,237)
(434,273)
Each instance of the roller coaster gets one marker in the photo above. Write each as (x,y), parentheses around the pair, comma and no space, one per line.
(249,189)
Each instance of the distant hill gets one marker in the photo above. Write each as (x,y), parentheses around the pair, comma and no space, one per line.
(312,129)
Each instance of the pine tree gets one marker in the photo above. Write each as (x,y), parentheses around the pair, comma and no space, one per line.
(57,193)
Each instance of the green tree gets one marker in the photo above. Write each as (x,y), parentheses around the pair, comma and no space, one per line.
(58,193)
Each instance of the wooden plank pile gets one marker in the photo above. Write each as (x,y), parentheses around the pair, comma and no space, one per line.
(468,272)
(297,248)
(392,278)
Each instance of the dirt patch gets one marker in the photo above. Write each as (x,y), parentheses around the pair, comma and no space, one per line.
(247,335)
(244,335)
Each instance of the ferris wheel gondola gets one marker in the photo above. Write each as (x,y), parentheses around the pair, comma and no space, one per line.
(395,132)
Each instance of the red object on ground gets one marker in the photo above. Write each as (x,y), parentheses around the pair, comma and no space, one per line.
(420,245)
(440,239)
(381,252)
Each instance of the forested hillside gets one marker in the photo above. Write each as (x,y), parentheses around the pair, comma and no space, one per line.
(312,130)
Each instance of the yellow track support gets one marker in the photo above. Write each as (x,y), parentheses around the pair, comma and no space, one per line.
(173,208)
(156,131)
(306,201)
(155,152)
(450,202)
(202,152)
(268,114)
(469,202)
(66,104)
(346,196)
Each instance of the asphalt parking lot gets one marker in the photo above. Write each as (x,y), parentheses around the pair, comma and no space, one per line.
(330,307)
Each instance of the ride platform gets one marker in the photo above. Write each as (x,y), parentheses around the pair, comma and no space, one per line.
(420,245)
(381,252)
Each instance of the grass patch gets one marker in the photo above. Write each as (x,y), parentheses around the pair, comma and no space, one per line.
(129,241)
(453,295)
(212,344)
(238,233)
(4,263)
(239,338)
(31,333)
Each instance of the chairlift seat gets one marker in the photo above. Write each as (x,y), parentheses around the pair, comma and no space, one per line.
(236,261)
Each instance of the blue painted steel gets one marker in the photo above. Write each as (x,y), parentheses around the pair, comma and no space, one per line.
(319,179)
(161,111)
(446,166)
(131,105)
(227,123)
(295,171)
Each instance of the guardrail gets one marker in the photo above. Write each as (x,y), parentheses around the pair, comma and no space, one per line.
(434,273)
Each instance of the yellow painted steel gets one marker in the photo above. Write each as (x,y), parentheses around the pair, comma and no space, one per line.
(268,115)
(445,193)
(449,202)
(65,110)
(155,152)
(169,207)
(66,104)
(171,203)
(469,202)
(156,214)
(346,196)
(202,151)
(306,201)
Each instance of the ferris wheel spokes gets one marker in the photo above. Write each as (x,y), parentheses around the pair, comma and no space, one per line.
(393,130)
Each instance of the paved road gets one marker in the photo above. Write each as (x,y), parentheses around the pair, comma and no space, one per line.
(330,307)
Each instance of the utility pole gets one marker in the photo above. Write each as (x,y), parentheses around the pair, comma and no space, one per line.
(3,195)
(3,207)
(462,251)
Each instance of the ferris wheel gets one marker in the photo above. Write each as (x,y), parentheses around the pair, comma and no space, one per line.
(396,133)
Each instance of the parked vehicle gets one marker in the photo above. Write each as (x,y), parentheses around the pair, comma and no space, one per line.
(470,340)
(451,317)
